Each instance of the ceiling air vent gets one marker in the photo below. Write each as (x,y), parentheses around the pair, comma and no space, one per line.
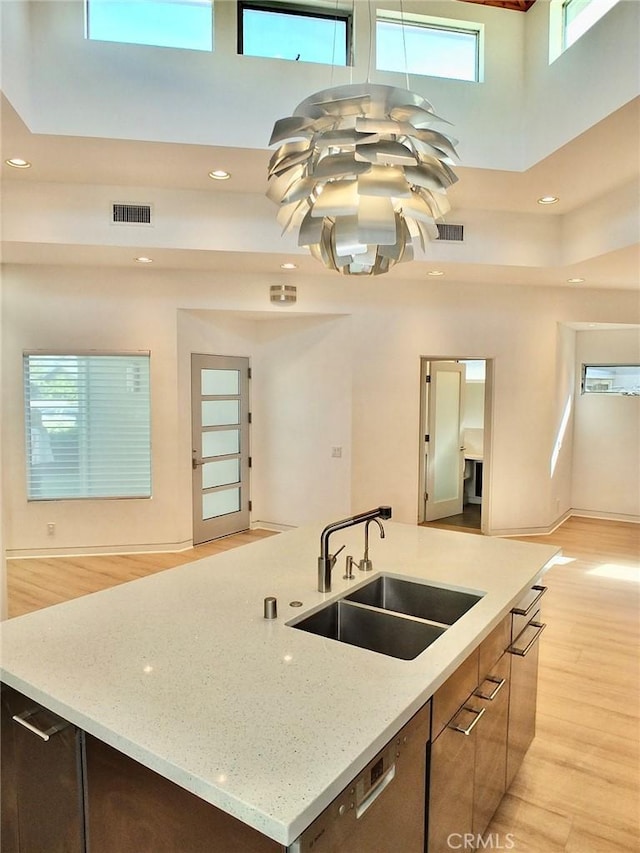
(452,233)
(131,214)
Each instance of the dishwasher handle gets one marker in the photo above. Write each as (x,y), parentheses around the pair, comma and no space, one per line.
(375,792)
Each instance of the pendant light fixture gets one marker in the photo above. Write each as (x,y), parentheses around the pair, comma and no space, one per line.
(361,173)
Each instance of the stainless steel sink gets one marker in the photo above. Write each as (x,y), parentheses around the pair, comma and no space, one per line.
(435,603)
(390,615)
(371,629)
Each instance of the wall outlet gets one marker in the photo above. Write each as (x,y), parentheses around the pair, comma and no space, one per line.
(336,452)
(51,528)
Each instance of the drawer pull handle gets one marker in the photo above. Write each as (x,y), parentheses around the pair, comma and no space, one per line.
(472,724)
(514,650)
(519,611)
(499,684)
(23,720)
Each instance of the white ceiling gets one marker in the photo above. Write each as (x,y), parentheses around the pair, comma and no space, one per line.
(591,166)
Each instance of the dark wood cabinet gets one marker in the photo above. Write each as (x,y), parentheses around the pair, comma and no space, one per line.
(42,779)
(133,808)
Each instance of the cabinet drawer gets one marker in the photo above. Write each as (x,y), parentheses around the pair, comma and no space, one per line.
(524,611)
(454,692)
(493,647)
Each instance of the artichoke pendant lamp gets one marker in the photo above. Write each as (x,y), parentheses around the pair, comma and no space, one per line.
(361,174)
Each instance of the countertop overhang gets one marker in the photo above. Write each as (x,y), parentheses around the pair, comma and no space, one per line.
(181,672)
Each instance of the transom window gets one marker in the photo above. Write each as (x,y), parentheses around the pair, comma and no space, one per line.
(186,24)
(580,15)
(432,47)
(87,426)
(302,33)
(611,379)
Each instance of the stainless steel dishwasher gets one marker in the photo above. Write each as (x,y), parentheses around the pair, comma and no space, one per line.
(383,809)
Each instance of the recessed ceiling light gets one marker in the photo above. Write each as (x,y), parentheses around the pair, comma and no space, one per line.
(548,199)
(575,280)
(288,266)
(219,175)
(18,163)
(435,272)
(143,260)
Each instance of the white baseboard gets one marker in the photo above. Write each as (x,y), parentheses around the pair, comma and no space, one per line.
(98,550)
(113,550)
(272,525)
(533,531)
(570,513)
(606,516)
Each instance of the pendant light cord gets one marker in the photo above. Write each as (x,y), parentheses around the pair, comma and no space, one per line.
(404,45)
(335,38)
(371,37)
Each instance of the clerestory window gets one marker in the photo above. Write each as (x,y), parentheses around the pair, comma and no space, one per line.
(580,15)
(186,24)
(611,379)
(306,32)
(428,46)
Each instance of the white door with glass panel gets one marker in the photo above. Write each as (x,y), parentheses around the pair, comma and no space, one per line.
(220,426)
(444,451)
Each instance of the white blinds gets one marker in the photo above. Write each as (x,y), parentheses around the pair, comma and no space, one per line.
(87,420)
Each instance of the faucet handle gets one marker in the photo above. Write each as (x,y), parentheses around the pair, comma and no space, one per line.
(334,557)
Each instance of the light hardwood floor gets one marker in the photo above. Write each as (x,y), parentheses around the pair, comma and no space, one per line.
(578,789)
(38,582)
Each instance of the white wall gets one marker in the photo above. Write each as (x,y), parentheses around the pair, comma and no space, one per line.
(606,452)
(561,458)
(346,376)
(590,80)
(300,403)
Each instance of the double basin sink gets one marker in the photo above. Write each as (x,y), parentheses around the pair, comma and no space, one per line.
(391,616)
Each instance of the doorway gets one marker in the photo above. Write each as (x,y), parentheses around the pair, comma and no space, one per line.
(454,430)
(220,462)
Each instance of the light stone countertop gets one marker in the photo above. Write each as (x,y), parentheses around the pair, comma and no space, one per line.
(181,672)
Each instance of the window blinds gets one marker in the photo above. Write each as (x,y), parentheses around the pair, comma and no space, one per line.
(87,423)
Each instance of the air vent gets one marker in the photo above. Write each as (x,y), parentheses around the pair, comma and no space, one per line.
(131,214)
(452,233)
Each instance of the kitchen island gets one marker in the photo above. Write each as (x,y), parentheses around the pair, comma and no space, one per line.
(181,672)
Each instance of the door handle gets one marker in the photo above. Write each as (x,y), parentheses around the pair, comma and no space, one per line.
(196,463)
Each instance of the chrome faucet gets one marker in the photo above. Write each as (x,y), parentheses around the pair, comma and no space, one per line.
(326,560)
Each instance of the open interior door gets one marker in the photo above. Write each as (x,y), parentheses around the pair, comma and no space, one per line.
(444,451)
